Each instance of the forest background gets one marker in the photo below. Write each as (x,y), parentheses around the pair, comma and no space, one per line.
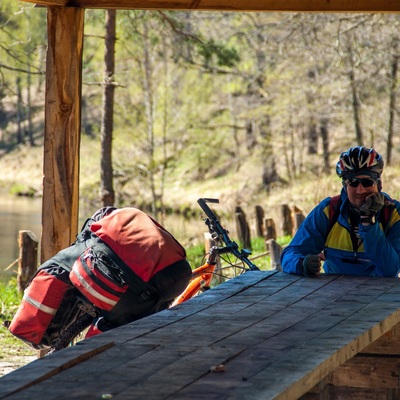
(251,108)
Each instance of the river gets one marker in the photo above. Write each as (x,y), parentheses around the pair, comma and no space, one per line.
(16,213)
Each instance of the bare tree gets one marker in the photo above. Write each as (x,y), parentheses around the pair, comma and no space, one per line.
(107,195)
(392,105)
(356,106)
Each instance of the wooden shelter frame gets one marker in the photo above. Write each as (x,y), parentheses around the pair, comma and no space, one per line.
(65,28)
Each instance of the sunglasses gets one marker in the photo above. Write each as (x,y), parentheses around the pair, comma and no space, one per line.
(365,182)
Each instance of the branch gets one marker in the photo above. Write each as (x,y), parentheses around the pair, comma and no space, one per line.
(20,70)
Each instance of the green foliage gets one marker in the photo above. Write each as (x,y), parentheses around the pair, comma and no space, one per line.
(20,189)
(10,298)
(223,55)
(195,255)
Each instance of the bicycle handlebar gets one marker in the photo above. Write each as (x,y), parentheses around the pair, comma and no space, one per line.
(213,224)
(203,204)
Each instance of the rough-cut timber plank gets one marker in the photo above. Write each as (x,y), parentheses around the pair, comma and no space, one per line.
(367,372)
(343,393)
(388,344)
(236,5)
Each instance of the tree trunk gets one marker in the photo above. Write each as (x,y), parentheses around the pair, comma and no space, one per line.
(325,144)
(269,174)
(148,91)
(107,195)
(312,134)
(392,108)
(354,94)
(312,137)
(29,108)
(356,108)
(20,133)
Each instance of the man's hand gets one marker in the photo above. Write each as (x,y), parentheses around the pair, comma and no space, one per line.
(373,204)
(311,265)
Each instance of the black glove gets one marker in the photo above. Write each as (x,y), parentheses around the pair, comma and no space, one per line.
(372,205)
(311,265)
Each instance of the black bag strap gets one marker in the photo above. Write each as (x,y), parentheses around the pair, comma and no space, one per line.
(136,284)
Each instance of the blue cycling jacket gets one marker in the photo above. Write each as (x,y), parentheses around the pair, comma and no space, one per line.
(378,254)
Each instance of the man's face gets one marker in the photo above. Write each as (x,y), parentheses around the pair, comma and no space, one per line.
(356,192)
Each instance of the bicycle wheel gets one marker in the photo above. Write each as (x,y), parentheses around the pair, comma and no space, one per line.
(71,332)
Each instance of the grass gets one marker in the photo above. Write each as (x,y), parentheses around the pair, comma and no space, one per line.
(10,300)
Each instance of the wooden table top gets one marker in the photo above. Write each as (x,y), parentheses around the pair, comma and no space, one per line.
(266,335)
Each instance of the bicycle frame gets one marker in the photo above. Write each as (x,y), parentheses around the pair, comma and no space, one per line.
(201,278)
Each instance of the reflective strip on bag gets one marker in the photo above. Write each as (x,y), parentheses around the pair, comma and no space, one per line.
(38,305)
(90,290)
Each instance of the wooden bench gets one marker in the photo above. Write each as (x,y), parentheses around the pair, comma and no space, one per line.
(263,335)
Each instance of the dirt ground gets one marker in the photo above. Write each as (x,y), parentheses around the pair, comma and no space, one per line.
(12,363)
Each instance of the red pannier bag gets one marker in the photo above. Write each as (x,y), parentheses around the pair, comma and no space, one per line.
(123,266)
(39,305)
(126,249)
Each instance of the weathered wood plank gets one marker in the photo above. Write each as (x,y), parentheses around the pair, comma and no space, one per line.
(277,337)
(237,5)
(366,372)
(33,375)
(387,344)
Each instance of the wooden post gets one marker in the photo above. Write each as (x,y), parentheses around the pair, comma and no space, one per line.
(28,258)
(298,218)
(287,226)
(270,229)
(259,221)
(275,251)
(62,129)
(243,231)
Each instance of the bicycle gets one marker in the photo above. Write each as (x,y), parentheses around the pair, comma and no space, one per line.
(202,276)
(200,279)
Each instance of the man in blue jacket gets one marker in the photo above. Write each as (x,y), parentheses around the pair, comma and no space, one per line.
(356,233)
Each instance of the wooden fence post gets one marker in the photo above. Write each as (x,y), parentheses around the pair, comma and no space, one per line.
(298,218)
(287,225)
(259,221)
(243,230)
(270,230)
(28,258)
(275,251)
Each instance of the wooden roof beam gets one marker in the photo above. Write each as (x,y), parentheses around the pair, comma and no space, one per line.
(379,6)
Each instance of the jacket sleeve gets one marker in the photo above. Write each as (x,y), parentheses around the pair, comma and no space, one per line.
(309,239)
(383,251)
